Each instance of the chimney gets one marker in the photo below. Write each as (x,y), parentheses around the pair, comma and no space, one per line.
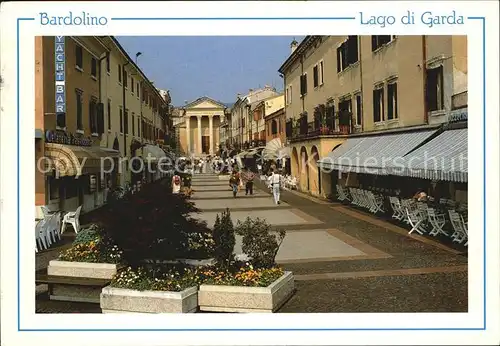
(294,45)
(238,95)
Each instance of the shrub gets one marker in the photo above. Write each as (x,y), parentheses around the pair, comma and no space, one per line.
(258,241)
(92,245)
(92,232)
(224,239)
(152,223)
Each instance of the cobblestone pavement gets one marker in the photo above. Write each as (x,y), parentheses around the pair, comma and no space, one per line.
(367,265)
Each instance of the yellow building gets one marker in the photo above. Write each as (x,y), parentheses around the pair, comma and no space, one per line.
(135,112)
(69,124)
(339,86)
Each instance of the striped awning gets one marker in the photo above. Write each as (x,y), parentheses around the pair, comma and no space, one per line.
(153,152)
(374,154)
(442,158)
(72,160)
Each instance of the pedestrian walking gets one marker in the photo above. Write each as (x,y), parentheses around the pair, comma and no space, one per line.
(234,182)
(274,182)
(248,177)
(176,184)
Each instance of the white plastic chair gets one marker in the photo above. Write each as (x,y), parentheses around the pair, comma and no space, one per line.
(398,213)
(465,226)
(415,220)
(460,234)
(54,227)
(72,218)
(41,235)
(437,221)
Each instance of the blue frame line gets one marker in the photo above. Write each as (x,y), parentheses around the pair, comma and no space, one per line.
(231,18)
(19,20)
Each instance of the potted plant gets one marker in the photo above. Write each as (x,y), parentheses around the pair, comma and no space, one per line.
(158,236)
(164,289)
(92,255)
(89,264)
(258,285)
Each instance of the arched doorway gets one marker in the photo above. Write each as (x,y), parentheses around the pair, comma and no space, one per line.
(304,169)
(295,163)
(315,172)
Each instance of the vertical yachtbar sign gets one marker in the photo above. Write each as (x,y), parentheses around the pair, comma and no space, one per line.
(60,71)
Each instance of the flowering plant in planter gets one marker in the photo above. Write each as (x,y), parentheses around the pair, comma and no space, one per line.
(142,279)
(246,275)
(92,245)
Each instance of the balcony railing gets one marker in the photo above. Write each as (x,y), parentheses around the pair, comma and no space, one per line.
(302,129)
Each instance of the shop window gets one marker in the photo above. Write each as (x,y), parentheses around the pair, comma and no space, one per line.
(79,109)
(392,100)
(53,188)
(378,105)
(434,88)
(93,68)
(71,187)
(79,56)
(347,53)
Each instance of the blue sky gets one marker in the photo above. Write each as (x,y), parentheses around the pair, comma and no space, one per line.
(214,66)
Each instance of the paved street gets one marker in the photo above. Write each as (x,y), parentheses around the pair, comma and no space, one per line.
(344,260)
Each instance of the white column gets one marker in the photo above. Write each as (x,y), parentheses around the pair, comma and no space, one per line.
(188,136)
(199,134)
(211,130)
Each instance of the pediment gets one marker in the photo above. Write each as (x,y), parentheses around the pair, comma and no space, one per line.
(203,103)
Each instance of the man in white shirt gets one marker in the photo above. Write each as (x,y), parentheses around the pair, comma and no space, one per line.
(274,182)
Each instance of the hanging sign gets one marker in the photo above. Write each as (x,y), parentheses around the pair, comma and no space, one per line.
(60,72)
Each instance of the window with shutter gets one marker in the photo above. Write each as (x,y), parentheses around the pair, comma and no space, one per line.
(315,76)
(100,118)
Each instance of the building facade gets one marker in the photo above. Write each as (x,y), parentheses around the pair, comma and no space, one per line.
(242,117)
(340,86)
(199,126)
(225,131)
(135,111)
(69,122)
(94,110)
(275,118)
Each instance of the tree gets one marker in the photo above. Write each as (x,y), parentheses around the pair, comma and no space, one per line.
(224,239)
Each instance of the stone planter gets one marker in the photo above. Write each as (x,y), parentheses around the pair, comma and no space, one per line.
(83,269)
(79,281)
(188,261)
(246,299)
(120,300)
